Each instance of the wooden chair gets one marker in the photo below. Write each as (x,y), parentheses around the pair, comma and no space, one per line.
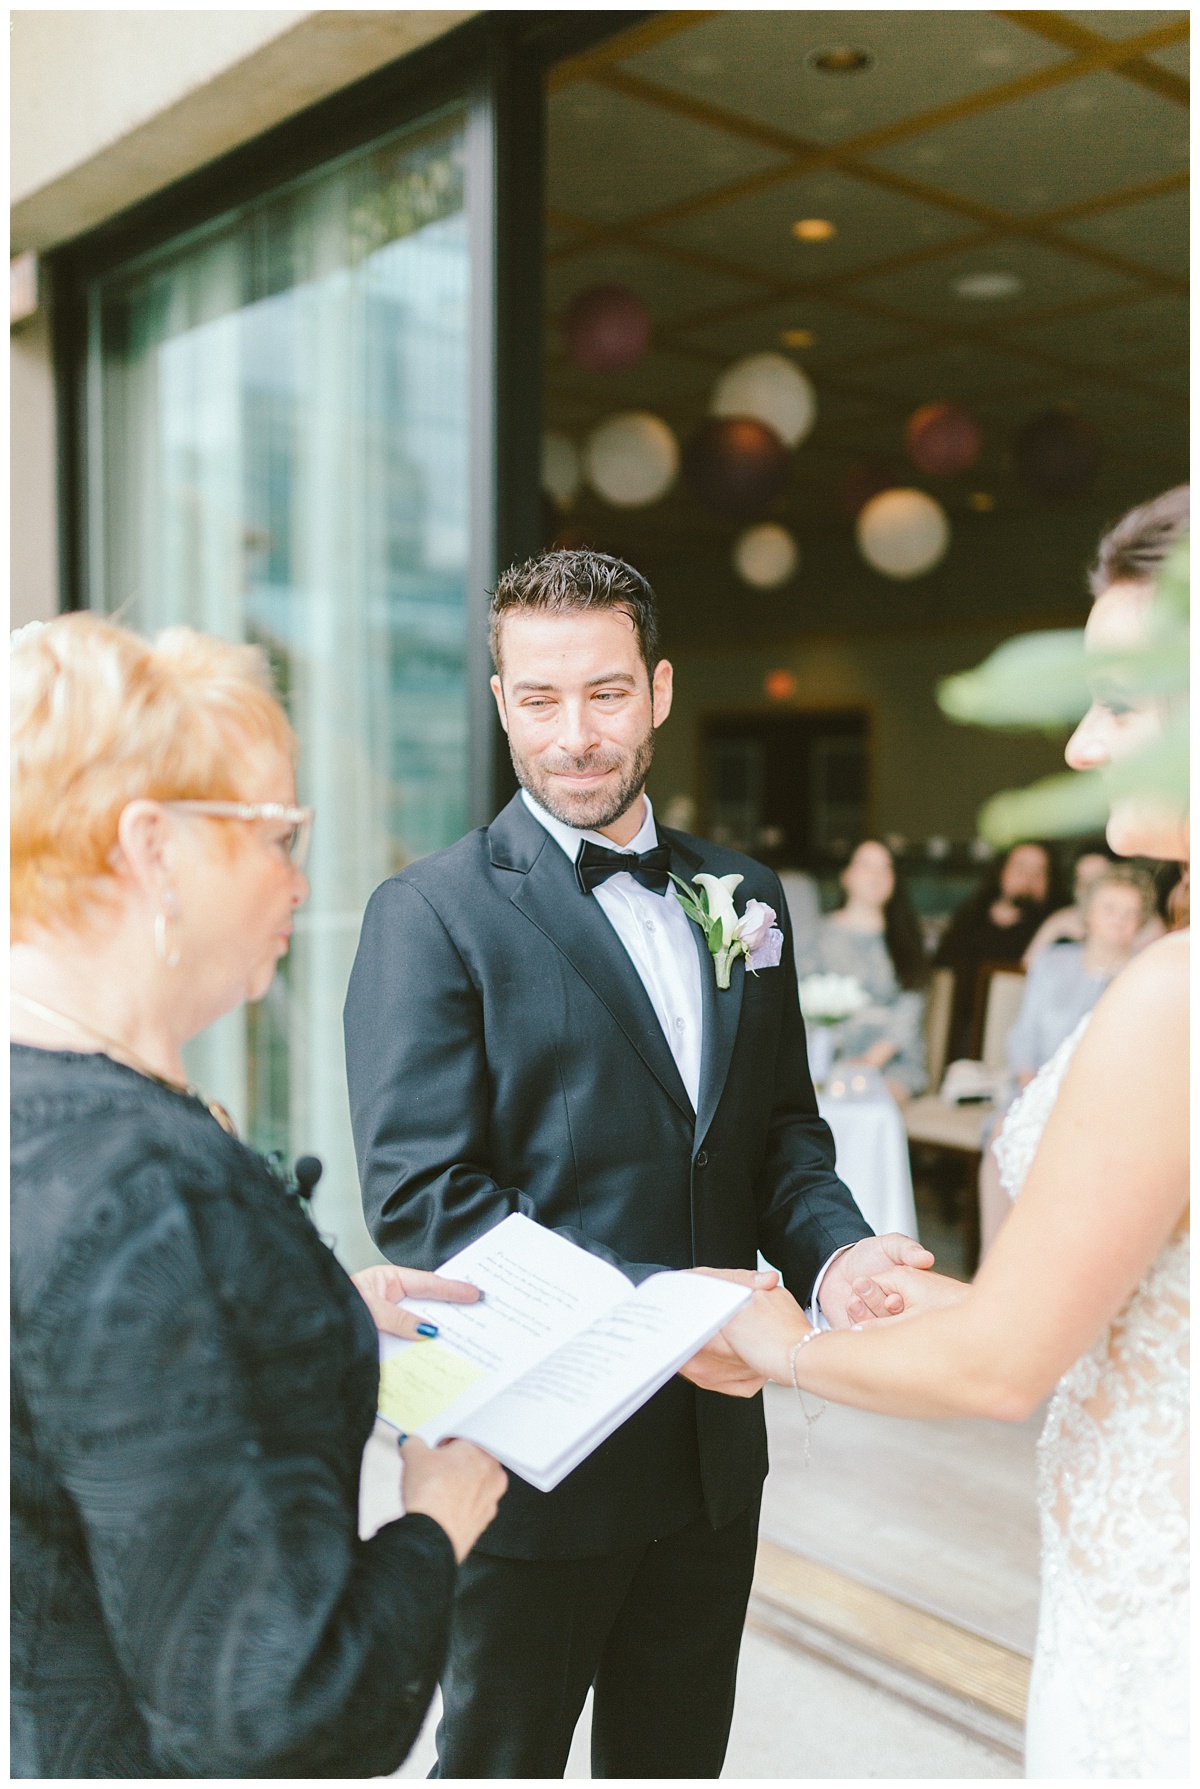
(939,1006)
(998,991)
(932,1122)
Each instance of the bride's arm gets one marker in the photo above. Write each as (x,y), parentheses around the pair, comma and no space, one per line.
(1107,1189)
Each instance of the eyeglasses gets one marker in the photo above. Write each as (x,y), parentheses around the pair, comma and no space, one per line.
(299,820)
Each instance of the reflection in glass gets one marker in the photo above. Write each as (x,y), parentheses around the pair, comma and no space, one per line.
(277,427)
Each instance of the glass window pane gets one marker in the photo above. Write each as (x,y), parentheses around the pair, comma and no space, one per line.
(277,426)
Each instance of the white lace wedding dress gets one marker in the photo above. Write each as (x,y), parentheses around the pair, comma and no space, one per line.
(1109,1693)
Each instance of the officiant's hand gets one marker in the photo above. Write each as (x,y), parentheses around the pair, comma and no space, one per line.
(382,1288)
(717,1367)
(457,1484)
(857,1286)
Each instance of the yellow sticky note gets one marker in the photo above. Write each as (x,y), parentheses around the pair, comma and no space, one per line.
(420,1383)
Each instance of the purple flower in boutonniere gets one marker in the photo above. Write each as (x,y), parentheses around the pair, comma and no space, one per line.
(761,936)
(728,934)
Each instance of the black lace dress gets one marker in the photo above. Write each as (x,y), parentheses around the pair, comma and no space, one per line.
(193,1379)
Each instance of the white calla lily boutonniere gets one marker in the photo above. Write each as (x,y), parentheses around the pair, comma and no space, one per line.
(728,933)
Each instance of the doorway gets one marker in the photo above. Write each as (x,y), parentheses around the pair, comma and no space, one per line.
(795,786)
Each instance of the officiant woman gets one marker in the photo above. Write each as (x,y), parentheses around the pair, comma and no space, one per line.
(194,1375)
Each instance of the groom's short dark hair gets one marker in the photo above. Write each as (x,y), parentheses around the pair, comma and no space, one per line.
(572,580)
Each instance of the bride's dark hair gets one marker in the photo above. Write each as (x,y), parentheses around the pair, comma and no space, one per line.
(1136,548)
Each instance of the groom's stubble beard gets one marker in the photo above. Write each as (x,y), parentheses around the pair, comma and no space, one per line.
(592,809)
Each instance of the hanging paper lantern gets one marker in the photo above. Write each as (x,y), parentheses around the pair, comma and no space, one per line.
(1058,453)
(607,329)
(772,389)
(780,685)
(903,533)
(942,439)
(562,473)
(860,484)
(766,556)
(735,465)
(631,459)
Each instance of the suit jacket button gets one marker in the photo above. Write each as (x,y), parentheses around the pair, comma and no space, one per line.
(702,1158)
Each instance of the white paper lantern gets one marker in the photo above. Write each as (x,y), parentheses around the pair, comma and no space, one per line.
(773,390)
(765,556)
(562,473)
(631,459)
(903,533)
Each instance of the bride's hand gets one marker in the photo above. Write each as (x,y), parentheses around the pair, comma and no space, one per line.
(382,1288)
(746,1353)
(716,1367)
(765,1331)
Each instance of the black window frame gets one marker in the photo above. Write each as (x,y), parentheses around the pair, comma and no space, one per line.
(495,66)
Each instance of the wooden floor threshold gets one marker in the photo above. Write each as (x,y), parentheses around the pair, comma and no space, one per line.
(975,1684)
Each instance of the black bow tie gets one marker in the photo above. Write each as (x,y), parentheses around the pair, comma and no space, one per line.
(595,865)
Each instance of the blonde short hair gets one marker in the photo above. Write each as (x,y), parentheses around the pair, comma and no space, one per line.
(1121,875)
(101,717)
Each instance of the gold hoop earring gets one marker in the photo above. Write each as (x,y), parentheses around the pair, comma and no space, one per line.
(166,952)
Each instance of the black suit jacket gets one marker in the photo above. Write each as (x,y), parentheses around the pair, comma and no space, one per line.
(503,1056)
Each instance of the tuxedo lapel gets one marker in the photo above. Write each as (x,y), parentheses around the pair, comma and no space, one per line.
(722,1011)
(576,924)
(722,1006)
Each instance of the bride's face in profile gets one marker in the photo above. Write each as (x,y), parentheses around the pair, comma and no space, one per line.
(1110,730)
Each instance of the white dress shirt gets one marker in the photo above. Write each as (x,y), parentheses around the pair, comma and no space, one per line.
(658,936)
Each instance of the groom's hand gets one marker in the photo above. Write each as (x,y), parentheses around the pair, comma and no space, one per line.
(851,1291)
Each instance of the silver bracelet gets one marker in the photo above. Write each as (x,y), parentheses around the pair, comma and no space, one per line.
(808,1420)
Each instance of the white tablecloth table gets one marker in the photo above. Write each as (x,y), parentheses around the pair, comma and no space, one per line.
(872,1148)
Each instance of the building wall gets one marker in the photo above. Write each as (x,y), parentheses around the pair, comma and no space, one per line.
(929,776)
(108,107)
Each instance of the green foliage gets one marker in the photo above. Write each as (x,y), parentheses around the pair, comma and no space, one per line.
(1048,680)
(1036,680)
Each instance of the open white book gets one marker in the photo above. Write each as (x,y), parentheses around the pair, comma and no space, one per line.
(558,1353)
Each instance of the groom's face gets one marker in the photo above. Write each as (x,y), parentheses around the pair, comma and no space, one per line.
(580,711)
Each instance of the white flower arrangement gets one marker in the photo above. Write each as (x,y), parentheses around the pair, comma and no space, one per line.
(828,999)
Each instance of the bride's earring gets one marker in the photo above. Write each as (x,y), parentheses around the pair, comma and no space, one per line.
(166,948)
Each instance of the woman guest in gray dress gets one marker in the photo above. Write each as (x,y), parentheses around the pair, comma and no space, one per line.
(875,937)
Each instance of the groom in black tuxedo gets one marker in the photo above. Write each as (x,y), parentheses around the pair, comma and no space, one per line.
(534,1025)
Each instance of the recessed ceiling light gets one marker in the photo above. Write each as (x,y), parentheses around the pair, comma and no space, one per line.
(797,338)
(989,285)
(840,59)
(813,229)
(983,501)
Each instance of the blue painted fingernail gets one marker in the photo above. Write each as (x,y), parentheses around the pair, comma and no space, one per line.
(426,1329)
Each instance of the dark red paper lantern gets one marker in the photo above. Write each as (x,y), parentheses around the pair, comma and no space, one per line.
(1058,453)
(735,465)
(942,439)
(607,329)
(860,484)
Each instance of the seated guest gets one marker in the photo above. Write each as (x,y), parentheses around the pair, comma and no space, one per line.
(876,938)
(994,926)
(1066,980)
(194,1376)
(1066,926)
